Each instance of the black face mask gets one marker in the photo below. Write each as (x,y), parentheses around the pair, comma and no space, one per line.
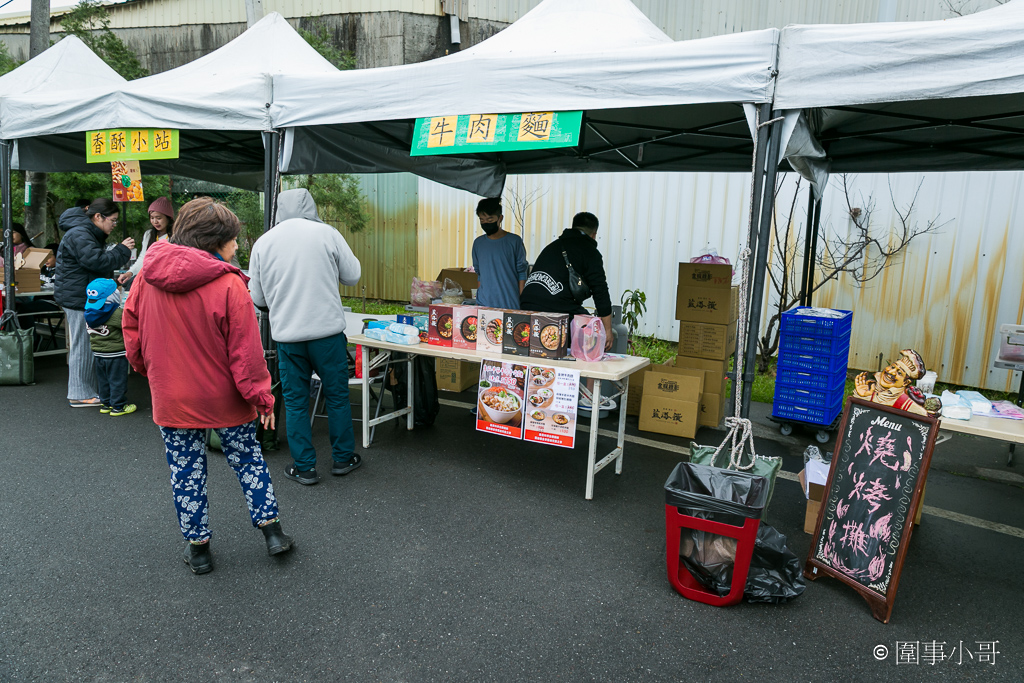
(489,228)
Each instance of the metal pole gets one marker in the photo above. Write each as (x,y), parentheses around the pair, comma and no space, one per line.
(760,265)
(812,254)
(5,197)
(804,291)
(38,41)
(271,145)
(755,208)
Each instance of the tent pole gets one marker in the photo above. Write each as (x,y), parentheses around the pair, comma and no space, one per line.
(760,265)
(5,196)
(804,291)
(271,148)
(758,181)
(812,253)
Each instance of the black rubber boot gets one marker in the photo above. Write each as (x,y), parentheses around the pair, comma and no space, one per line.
(198,558)
(277,541)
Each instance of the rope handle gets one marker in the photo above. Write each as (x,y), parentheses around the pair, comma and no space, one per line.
(740,435)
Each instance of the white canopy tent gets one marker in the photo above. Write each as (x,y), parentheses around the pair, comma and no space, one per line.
(219,103)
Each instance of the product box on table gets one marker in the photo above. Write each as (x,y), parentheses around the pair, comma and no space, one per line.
(440,325)
(516,337)
(456,375)
(490,325)
(26,278)
(714,342)
(549,336)
(671,401)
(715,275)
(714,305)
(465,321)
(469,281)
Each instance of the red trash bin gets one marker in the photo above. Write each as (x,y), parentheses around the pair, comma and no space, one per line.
(712,492)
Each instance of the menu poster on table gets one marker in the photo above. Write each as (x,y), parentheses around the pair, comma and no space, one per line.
(551,398)
(501,398)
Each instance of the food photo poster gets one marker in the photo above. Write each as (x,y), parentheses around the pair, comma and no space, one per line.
(501,397)
(551,401)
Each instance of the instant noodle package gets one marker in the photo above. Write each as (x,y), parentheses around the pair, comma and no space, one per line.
(490,325)
(516,338)
(466,327)
(441,325)
(549,335)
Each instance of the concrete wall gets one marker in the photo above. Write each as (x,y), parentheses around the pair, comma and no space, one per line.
(376,38)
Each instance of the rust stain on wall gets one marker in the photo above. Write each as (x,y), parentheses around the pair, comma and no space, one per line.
(962,310)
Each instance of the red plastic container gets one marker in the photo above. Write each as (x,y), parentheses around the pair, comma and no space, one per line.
(681,578)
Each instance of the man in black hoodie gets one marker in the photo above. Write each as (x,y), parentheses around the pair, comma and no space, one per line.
(547,288)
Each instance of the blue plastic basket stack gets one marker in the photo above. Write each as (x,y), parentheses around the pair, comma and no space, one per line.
(813,356)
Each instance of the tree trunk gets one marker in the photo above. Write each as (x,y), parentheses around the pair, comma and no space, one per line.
(35,210)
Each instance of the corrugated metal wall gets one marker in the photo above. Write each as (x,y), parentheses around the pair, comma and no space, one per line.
(946,298)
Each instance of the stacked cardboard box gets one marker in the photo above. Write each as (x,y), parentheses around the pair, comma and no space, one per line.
(706,307)
(456,375)
(670,403)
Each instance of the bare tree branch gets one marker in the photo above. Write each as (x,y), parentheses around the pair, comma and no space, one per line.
(519,203)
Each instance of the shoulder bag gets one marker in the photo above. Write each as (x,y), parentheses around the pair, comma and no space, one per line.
(579,289)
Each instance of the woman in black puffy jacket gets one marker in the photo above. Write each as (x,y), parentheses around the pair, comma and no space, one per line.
(81,258)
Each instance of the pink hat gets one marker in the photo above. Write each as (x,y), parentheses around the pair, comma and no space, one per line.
(162,205)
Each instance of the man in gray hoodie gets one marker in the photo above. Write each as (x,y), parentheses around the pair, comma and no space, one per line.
(295,271)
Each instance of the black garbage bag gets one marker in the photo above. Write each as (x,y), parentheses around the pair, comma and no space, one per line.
(425,404)
(775,574)
(718,495)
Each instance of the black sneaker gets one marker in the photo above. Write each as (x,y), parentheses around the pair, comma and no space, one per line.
(308,478)
(343,468)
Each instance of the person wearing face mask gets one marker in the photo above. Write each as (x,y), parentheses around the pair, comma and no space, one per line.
(161,218)
(499,259)
(82,258)
(547,289)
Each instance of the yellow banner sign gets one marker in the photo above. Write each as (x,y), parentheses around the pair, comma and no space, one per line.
(128,144)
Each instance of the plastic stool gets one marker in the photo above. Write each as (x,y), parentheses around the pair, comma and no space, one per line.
(681,578)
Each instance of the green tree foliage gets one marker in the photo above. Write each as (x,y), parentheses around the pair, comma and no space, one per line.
(7,62)
(339,200)
(90,22)
(321,40)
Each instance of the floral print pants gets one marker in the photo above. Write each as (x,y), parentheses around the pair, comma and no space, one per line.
(186,454)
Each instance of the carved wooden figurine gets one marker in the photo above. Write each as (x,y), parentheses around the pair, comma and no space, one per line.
(893,386)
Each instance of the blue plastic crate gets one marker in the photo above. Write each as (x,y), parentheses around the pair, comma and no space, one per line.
(817,415)
(803,379)
(839,346)
(807,397)
(812,362)
(809,326)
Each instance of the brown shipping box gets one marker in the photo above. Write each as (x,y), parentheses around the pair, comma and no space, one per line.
(712,405)
(26,278)
(456,375)
(714,342)
(707,304)
(816,493)
(714,370)
(469,281)
(636,382)
(670,402)
(714,275)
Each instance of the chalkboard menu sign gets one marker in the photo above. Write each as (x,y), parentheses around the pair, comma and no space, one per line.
(874,487)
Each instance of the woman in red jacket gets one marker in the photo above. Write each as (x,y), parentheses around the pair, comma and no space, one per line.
(190,327)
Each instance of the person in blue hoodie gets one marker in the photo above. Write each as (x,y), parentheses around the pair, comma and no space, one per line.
(103,318)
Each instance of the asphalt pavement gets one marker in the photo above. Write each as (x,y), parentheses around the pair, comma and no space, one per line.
(453,555)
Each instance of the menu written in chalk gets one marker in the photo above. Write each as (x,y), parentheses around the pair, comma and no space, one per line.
(879,469)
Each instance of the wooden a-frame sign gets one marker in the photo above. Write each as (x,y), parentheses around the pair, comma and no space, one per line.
(874,488)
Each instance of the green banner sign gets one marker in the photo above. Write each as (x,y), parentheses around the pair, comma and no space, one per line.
(131,144)
(470,133)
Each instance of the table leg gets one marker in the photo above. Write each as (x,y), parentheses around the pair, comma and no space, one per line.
(411,419)
(366,393)
(595,416)
(622,423)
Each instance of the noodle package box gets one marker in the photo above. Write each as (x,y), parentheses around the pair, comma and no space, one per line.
(549,336)
(466,327)
(440,326)
(490,325)
(516,339)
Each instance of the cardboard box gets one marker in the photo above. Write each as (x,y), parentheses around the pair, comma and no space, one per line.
(715,342)
(712,305)
(469,281)
(456,375)
(549,336)
(26,278)
(714,370)
(713,405)
(705,275)
(464,335)
(490,325)
(815,492)
(635,393)
(675,383)
(516,339)
(668,416)
(440,325)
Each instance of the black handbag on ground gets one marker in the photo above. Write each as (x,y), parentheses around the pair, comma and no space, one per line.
(17,364)
(577,287)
